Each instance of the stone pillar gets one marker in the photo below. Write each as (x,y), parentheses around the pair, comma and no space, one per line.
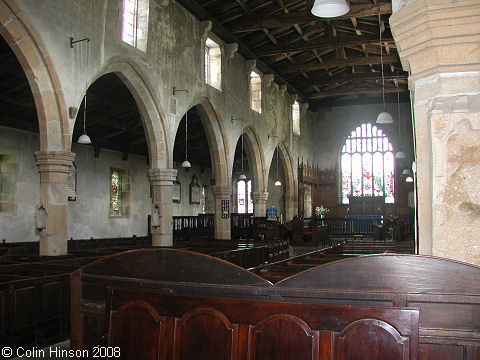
(53,167)
(260,203)
(290,207)
(161,181)
(438,43)
(222,225)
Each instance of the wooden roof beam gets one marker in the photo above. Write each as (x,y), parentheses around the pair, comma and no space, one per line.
(341,41)
(340,62)
(290,19)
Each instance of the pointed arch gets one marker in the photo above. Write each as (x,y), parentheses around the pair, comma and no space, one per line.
(215,138)
(256,158)
(26,43)
(287,161)
(151,113)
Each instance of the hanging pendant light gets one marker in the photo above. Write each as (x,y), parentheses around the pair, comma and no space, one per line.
(384,117)
(330,8)
(409,179)
(186,163)
(278,182)
(406,172)
(242,174)
(84,138)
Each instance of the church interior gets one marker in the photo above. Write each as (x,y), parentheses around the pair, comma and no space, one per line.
(217,173)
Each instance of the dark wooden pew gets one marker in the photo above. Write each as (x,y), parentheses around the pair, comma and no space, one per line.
(35,290)
(446,293)
(185,327)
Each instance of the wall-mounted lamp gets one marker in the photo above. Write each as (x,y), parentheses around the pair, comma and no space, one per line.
(272,136)
(175,90)
(235,119)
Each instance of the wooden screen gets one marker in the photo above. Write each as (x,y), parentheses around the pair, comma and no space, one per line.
(152,325)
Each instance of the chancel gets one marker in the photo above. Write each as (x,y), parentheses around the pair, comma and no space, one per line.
(238,195)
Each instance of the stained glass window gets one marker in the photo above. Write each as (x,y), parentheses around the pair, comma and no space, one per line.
(115,191)
(368,164)
(244,197)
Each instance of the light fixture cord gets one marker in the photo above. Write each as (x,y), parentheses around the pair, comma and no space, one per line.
(399,117)
(277,164)
(242,152)
(381,59)
(186,135)
(85,96)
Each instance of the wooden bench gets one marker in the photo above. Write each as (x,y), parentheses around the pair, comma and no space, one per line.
(446,292)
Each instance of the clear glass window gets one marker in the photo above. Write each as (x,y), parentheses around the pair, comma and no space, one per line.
(213,64)
(255,92)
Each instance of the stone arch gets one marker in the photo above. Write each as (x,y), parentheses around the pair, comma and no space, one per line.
(216,140)
(257,161)
(42,77)
(288,162)
(150,111)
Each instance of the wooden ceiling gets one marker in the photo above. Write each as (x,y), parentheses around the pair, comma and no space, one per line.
(324,61)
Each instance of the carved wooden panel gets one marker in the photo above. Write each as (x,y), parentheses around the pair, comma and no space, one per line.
(25,306)
(52,300)
(206,333)
(268,340)
(136,328)
(371,339)
(215,328)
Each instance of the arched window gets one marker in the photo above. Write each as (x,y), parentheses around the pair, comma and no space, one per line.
(296,118)
(244,197)
(255,92)
(368,164)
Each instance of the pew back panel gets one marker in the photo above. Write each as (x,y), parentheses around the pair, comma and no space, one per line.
(186,327)
(446,292)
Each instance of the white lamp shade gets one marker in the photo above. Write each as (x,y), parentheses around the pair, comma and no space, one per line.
(406,172)
(330,8)
(84,139)
(186,164)
(278,183)
(400,154)
(409,179)
(242,177)
(384,117)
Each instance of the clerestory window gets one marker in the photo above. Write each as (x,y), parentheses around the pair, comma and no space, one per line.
(255,92)
(296,118)
(213,64)
(135,23)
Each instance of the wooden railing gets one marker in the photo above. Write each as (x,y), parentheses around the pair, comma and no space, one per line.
(242,226)
(365,225)
(192,228)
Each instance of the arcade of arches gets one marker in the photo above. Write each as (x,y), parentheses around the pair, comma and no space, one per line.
(148,108)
